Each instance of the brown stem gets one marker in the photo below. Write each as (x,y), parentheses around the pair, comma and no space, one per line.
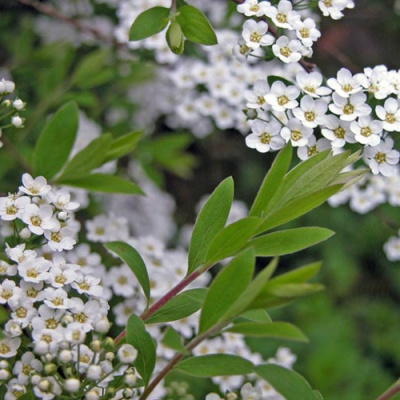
(390,392)
(307,66)
(52,12)
(190,346)
(158,304)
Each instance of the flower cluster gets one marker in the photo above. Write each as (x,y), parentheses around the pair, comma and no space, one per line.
(9,108)
(299,33)
(57,309)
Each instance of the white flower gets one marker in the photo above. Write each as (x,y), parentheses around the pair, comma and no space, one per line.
(382,158)
(35,270)
(283,15)
(39,218)
(85,313)
(6,87)
(60,239)
(367,131)
(34,187)
(332,8)
(346,84)
(307,31)
(248,392)
(127,354)
(390,115)
(18,104)
(282,97)
(350,108)
(12,207)
(311,112)
(87,285)
(19,254)
(253,8)
(313,147)
(311,83)
(337,131)
(57,298)
(62,200)
(265,136)
(17,121)
(392,248)
(256,97)
(9,347)
(296,133)
(286,50)
(9,292)
(27,364)
(47,388)
(255,34)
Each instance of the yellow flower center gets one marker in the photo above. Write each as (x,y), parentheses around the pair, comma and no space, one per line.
(4,349)
(312,151)
(51,323)
(285,51)
(390,118)
(21,312)
(296,135)
(254,8)
(11,210)
(84,286)
(339,132)
(380,157)
(348,109)
(265,138)
(55,237)
(255,37)
(304,33)
(281,18)
(36,221)
(32,273)
(282,100)
(347,88)
(6,294)
(366,131)
(309,116)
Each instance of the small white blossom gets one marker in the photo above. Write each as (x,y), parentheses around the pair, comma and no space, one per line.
(389,114)
(382,158)
(255,34)
(287,50)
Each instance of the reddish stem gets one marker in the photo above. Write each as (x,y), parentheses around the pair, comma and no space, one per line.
(158,304)
(390,392)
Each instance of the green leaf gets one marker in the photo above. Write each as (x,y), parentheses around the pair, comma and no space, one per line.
(122,146)
(215,365)
(273,78)
(231,281)
(211,220)
(283,294)
(318,395)
(288,383)
(180,306)
(231,239)
(277,330)
(104,183)
(173,340)
(175,38)
(195,26)
(272,181)
(256,316)
(89,158)
(149,22)
(288,241)
(297,208)
(91,66)
(299,275)
(134,261)
(252,291)
(56,140)
(140,339)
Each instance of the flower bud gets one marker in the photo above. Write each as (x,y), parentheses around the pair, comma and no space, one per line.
(18,104)
(175,38)
(102,325)
(17,121)
(50,369)
(25,234)
(94,372)
(92,395)
(109,344)
(72,385)
(4,374)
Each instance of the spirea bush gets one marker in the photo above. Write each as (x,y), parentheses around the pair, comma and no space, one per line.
(102,295)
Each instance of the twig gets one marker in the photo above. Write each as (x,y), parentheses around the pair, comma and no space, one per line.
(158,304)
(390,392)
(307,66)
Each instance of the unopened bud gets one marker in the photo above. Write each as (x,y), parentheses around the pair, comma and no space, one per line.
(175,38)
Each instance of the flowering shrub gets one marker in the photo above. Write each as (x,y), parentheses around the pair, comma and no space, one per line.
(98,304)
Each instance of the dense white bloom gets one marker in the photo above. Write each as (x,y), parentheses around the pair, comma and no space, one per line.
(12,207)
(34,270)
